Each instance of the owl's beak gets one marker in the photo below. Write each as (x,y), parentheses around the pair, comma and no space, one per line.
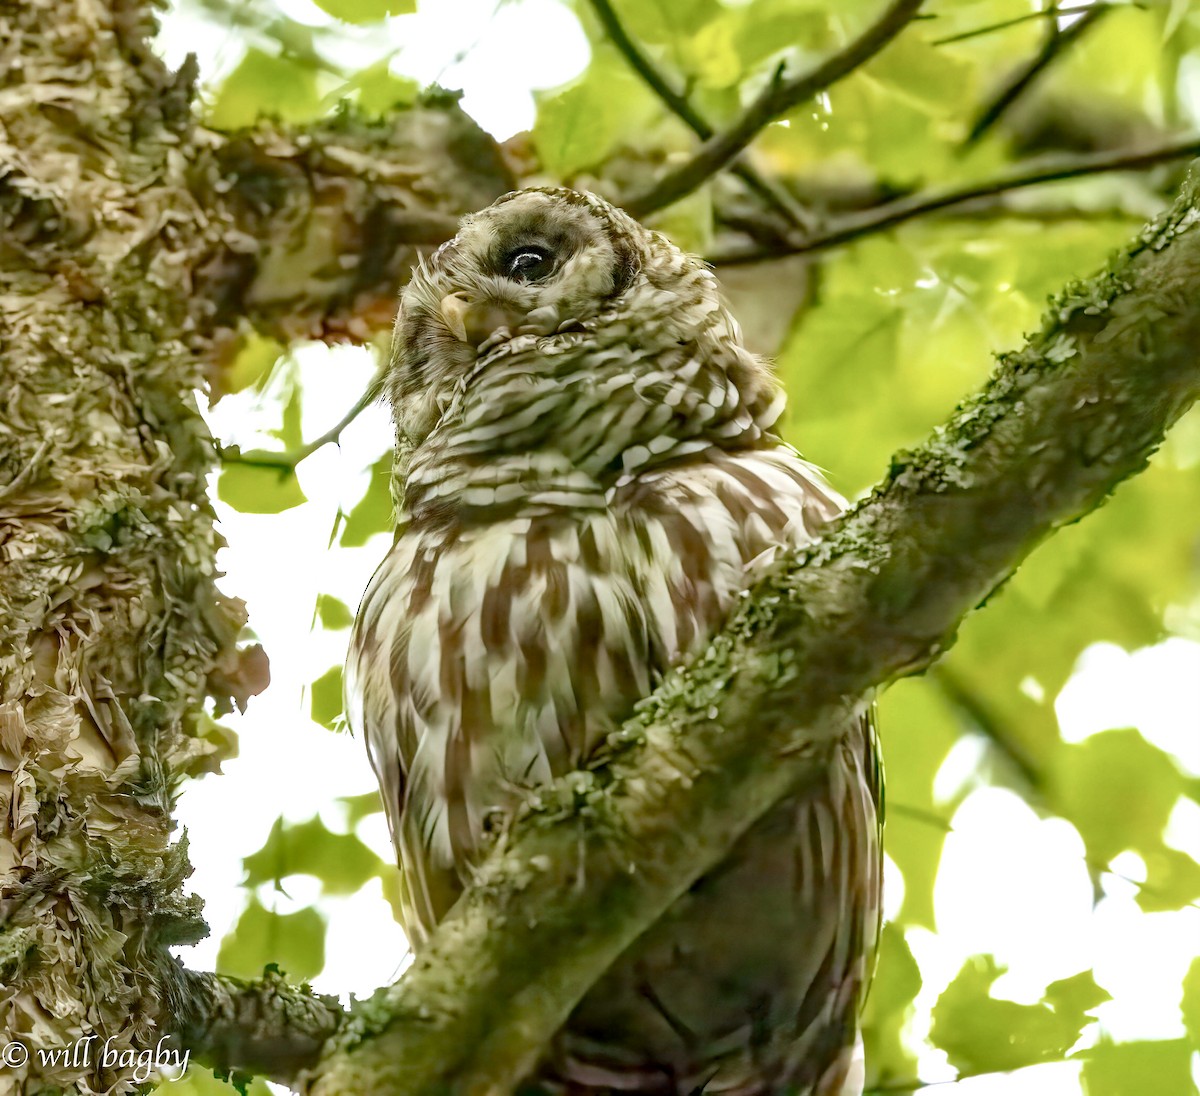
(475,322)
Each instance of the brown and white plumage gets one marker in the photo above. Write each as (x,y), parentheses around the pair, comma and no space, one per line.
(587,476)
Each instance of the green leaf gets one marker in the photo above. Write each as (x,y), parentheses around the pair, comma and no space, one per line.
(579,125)
(896,984)
(1138,1069)
(981,1034)
(374,513)
(932,79)
(1115,66)
(710,55)
(359,806)
(366,11)
(327,698)
(253,363)
(1118,790)
(919,728)
(897,977)
(1172,880)
(1105,579)
(289,430)
(379,90)
(339,860)
(1190,1006)
(768,27)
(875,313)
(333,614)
(1075,997)
(665,21)
(280,87)
(915,843)
(199,1081)
(295,942)
(257,489)
(862,120)
(689,222)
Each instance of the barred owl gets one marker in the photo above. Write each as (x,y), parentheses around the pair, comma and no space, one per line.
(587,476)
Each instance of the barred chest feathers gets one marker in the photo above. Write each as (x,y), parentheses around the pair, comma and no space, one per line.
(588,478)
(517,645)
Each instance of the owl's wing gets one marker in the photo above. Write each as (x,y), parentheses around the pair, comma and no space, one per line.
(485,661)
(385,688)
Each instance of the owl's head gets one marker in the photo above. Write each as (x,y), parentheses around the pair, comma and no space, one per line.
(544,262)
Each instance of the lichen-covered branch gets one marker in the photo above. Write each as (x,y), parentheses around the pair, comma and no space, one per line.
(598,856)
(325,221)
(267,1027)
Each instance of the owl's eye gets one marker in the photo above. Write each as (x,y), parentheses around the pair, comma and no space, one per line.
(528,264)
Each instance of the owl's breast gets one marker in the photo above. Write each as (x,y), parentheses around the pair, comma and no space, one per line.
(494,656)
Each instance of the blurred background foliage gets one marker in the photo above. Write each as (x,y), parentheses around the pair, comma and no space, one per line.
(876,339)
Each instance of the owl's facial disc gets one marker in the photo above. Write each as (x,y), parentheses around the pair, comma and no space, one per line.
(536,262)
(474,322)
(474,318)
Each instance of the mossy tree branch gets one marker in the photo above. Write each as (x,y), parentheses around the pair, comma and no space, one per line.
(322,222)
(268,1027)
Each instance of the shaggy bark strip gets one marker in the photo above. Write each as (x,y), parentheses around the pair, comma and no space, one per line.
(133,247)
(110,625)
(601,854)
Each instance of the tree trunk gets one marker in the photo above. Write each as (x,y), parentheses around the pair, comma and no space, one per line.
(112,630)
(134,244)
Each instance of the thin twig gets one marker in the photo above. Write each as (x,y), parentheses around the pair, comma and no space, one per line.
(288,460)
(895,1088)
(778,97)
(681,107)
(1004,24)
(985,721)
(676,102)
(1054,46)
(856,225)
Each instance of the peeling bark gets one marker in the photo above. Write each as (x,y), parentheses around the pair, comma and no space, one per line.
(132,245)
(109,620)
